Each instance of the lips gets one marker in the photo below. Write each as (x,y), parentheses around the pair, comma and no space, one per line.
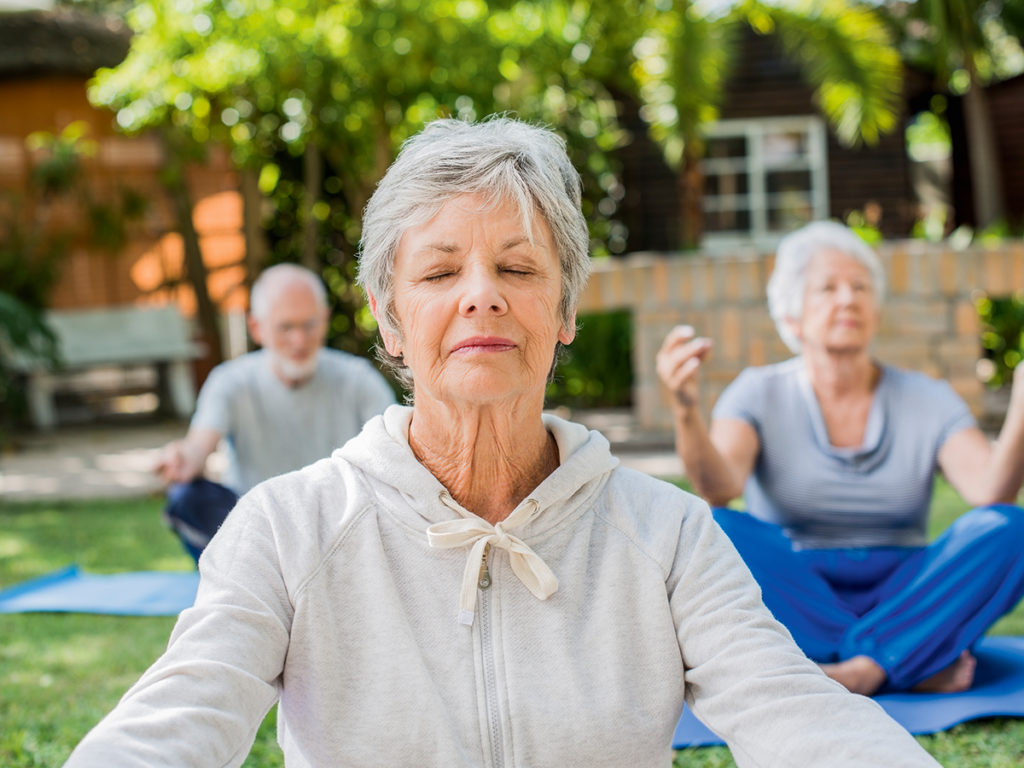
(484,344)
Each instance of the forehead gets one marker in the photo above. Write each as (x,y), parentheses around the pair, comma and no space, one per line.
(467,216)
(294,299)
(830,263)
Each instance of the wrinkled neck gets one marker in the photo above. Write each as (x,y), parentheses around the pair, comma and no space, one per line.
(488,457)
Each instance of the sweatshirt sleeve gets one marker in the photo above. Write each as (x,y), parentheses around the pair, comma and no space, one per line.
(750,683)
(202,701)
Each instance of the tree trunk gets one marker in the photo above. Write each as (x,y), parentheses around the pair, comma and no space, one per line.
(176,184)
(986,175)
(256,248)
(691,196)
(313,177)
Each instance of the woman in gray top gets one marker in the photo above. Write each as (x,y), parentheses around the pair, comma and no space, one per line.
(470,582)
(836,455)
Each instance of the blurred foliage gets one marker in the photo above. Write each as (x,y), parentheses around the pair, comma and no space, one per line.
(866,227)
(960,40)
(24,337)
(966,44)
(316,96)
(596,370)
(1002,337)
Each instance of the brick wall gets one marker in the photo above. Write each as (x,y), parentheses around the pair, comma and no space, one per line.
(928,320)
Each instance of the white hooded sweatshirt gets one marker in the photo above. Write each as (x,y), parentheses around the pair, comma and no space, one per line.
(323,589)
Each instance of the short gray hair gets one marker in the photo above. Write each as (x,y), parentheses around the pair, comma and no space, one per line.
(788,281)
(272,281)
(502,159)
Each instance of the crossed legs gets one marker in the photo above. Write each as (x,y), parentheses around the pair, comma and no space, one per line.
(899,618)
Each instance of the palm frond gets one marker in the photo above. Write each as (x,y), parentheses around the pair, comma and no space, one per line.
(847,54)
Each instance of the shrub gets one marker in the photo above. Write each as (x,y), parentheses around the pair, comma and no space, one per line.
(596,370)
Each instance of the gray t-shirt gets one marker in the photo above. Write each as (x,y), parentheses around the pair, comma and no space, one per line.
(270,428)
(823,496)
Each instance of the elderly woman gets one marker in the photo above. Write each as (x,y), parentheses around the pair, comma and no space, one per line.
(837,455)
(470,582)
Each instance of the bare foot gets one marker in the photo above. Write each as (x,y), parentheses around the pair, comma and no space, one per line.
(860,674)
(957,677)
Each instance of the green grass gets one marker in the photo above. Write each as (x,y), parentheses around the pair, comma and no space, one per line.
(60,673)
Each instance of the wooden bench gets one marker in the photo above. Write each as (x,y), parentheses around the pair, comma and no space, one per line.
(116,338)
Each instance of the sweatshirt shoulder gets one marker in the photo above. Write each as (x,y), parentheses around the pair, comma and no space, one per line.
(653,514)
(301,516)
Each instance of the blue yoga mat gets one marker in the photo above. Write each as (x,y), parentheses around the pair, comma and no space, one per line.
(69,590)
(998,691)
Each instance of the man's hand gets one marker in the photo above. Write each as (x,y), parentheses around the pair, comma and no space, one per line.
(172,465)
(181,461)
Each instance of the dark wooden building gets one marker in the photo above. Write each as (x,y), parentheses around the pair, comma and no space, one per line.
(1006,102)
(773,163)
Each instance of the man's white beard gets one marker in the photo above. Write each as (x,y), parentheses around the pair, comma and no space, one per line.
(293,371)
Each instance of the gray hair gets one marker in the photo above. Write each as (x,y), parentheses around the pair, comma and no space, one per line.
(272,281)
(501,159)
(788,281)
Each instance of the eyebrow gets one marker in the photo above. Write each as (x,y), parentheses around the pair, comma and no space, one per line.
(512,242)
(443,247)
(449,247)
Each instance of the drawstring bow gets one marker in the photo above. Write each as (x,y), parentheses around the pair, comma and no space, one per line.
(477,534)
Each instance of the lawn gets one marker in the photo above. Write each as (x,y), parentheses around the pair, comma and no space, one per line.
(59,673)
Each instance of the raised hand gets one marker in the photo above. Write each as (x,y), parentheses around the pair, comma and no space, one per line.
(678,362)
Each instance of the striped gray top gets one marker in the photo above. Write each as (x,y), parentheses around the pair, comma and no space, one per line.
(872,496)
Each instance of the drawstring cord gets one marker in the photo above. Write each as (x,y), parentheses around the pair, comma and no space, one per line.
(477,534)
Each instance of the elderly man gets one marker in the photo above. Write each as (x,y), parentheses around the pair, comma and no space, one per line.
(277,409)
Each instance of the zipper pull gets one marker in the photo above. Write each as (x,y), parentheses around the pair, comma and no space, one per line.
(484,579)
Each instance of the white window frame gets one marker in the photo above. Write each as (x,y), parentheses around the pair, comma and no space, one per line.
(757,200)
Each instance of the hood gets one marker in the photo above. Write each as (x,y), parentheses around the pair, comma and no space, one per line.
(382,452)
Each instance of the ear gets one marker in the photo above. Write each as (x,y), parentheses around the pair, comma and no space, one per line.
(568,332)
(389,338)
(255,329)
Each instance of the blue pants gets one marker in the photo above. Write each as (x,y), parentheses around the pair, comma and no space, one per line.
(195,511)
(911,609)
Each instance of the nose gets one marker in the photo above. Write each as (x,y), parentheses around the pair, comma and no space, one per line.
(481,293)
(845,293)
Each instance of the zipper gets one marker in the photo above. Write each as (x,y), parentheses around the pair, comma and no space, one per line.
(487,656)
(484,579)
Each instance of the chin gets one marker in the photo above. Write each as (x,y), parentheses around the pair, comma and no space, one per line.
(295,370)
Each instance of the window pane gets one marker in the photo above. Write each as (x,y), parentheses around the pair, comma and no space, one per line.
(777,182)
(726,221)
(789,211)
(784,147)
(726,184)
(726,146)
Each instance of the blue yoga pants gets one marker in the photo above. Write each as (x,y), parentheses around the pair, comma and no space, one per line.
(911,609)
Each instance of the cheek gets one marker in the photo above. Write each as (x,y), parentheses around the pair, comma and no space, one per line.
(421,321)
